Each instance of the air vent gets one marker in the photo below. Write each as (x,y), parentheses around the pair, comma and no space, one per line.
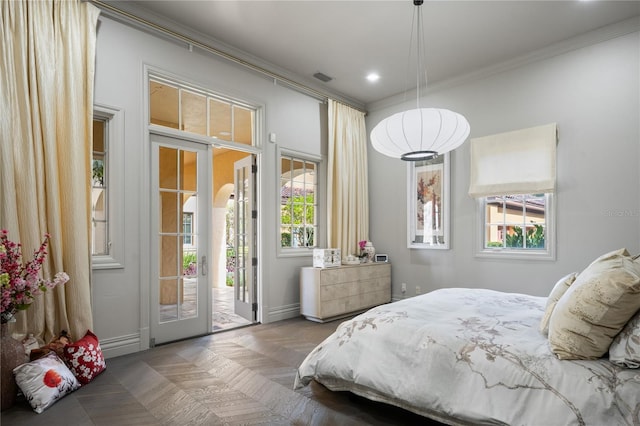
(322,77)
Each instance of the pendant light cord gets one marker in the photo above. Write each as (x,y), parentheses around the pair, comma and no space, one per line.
(419,56)
(419,48)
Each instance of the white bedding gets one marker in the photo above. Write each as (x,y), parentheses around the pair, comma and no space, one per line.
(470,356)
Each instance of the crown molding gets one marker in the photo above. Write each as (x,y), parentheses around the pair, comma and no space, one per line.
(298,83)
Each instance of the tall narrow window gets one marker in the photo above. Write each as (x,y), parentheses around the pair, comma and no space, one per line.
(99,189)
(298,202)
(187,228)
(107,188)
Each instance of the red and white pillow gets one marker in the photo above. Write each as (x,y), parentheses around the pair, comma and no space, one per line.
(47,379)
(84,358)
(44,381)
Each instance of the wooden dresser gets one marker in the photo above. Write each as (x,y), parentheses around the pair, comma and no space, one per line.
(331,293)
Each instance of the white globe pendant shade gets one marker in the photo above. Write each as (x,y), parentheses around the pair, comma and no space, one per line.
(420,134)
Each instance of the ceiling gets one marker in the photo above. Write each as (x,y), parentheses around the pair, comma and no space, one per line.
(347,40)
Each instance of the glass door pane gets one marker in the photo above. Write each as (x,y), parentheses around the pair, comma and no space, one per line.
(180,188)
(245,271)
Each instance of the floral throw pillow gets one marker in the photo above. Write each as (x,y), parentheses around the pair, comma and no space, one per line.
(625,348)
(44,381)
(596,307)
(85,358)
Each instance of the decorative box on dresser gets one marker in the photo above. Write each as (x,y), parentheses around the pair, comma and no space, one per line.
(331,293)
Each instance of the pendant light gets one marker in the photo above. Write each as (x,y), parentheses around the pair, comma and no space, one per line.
(422,133)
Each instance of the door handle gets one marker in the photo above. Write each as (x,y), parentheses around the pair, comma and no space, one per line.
(203,265)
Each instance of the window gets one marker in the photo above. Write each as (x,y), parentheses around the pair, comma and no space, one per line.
(179,107)
(298,202)
(107,189)
(187,228)
(515,222)
(517,226)
(513,177)
(99,189)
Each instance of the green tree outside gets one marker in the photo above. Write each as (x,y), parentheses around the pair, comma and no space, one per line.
(299,212)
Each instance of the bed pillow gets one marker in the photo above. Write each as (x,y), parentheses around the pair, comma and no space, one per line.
(595,308)
(44,381)
(557,291)
(625,348)
(85,358)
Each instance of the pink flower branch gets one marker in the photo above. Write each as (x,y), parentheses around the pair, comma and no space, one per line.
(20,282)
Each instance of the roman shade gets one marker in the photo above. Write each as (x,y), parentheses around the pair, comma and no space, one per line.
(517,162)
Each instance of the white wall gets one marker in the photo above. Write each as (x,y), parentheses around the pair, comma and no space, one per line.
(120,296)
(592,93)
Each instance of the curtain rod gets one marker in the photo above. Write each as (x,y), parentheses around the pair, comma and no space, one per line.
(191,42)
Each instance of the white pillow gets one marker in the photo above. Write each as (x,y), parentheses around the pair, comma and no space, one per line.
(625,348)
(559,289)
(44,381)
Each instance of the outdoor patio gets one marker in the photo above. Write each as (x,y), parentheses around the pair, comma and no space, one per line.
(224,317)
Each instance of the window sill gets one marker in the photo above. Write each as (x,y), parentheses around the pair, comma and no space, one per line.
(296,252)
(105,262)
(516,254)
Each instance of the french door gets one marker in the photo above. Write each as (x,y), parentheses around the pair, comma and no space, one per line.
(245,273)
(180,218)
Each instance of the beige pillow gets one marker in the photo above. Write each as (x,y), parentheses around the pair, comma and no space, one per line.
(595,307)
(557,291)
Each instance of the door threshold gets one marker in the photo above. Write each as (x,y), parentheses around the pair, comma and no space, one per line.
(237,327)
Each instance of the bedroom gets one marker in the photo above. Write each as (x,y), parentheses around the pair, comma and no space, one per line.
(589,87)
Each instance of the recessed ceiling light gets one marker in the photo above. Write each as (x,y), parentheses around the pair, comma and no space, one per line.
(373,77)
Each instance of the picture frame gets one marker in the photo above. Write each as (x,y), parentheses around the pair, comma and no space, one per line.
(428,196)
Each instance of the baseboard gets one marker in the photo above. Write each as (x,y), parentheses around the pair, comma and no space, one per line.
(283,312)
(121,345)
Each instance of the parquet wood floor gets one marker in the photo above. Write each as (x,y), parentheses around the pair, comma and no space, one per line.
(238,377)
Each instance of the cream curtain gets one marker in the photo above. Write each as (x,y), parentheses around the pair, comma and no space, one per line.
(518,162)
(46,101)
(348,189)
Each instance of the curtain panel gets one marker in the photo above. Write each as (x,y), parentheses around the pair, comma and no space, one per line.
(347,179)
(518,162)
(46,92)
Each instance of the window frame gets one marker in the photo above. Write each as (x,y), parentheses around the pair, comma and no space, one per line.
(188,236)
(113,118)
(549,253)
(298,156)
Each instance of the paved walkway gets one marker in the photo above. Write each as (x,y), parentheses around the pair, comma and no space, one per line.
(223,316)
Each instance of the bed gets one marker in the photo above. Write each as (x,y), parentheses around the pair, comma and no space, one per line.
(471,356)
